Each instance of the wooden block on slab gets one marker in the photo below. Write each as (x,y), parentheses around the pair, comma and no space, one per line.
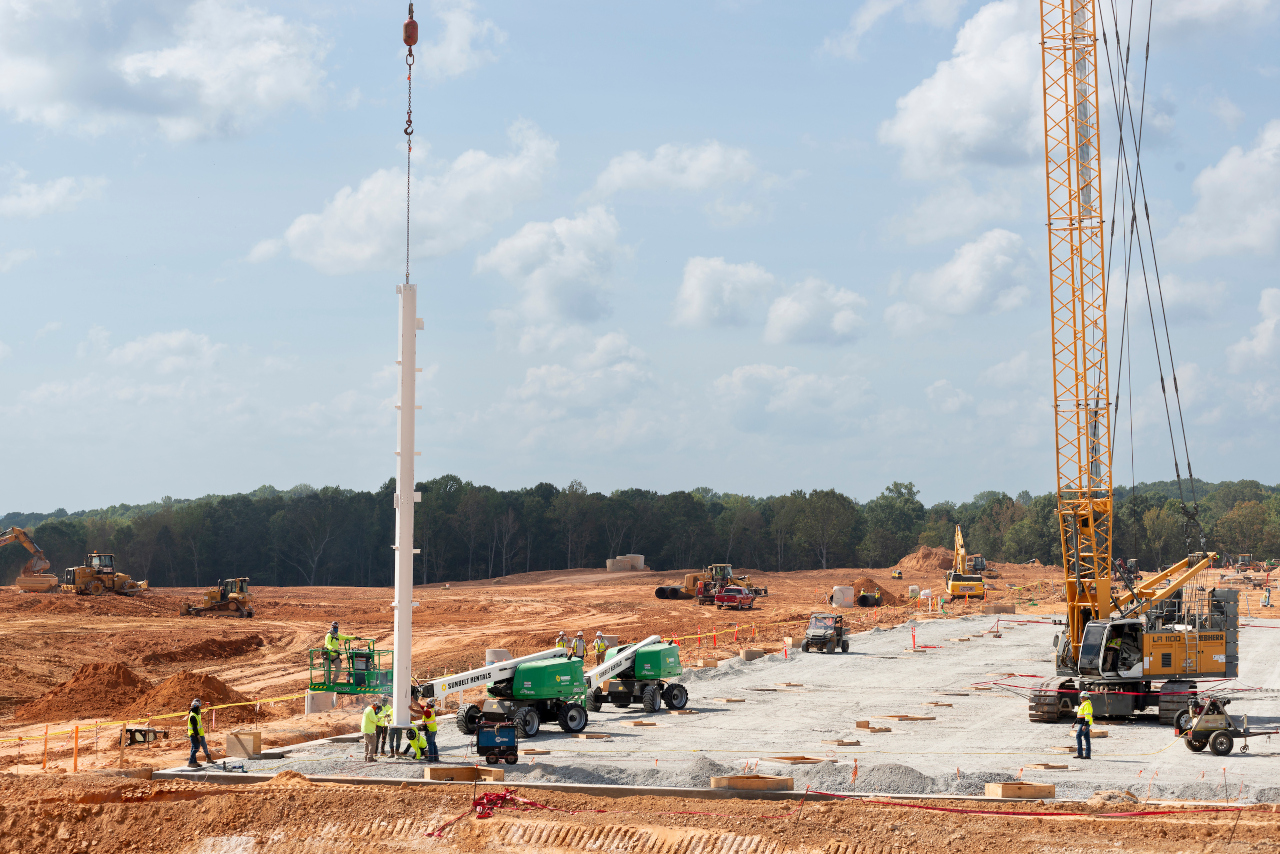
(789,684)
(457,774)
(727,700)
(589,735)
(797,760)
(950,693)
(869,728)
(246,745)
(979,687)
(842,742)
(905,718)
(638,723)
(1031,791)
(1048,766)
(533,751)
(939,705)
(751,654)
(682,711)
(756,782)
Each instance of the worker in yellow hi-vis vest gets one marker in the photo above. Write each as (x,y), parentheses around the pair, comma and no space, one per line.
(195,730)
(1083,724)
(598,646)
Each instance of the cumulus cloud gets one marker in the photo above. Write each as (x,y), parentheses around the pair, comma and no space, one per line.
(717,293)
(846,43)
(957,208)
(561,268)
(608,373)
(218,67)
(1238,203)
(1264,342)
(14,257)
(814,312)
(1175,13)
(167,352)
(31,200)
(677,167)
(987,275)
(761,398)
(461,44)
(946,398)
(980,107)
(360,229)
(1011,371)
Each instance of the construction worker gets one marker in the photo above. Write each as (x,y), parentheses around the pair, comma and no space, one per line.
(429,724)
(333,653)
(369,728)
(1084,722)
(599,645)
(415,715)
(877,596)
(195,730)
(384,721)
(561,641)
(578,649)
(416,742)
(1111,655)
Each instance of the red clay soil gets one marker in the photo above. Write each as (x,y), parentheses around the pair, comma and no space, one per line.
(207,649)
(96,690)
(928,559)
(176,693)
(870,586)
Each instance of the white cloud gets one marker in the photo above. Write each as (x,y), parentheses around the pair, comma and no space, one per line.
(677,167)
(608,374)
(61,194)
(939,13)
(14,257)
(1265,340)
(458,49)
(981,107)
(717,293)
(1227,111)
(560,268)
(989,275)
(218,66)
(1188,300)
(762,398)
(360,229)
(5,350)
(1199,12)
(49,328)
(1012,371)
(1238,203)
(814,312)
(167,352)
(946,398)
(958,209)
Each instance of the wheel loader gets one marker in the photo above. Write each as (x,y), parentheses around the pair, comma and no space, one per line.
(703,586)
(231,596)
(99,576)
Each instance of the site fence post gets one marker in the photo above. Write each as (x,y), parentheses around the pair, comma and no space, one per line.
(122,735)
(75,751)
(735,631)
(713,639)
(44,765)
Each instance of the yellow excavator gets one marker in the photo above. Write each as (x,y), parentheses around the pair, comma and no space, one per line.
(99,576)
(32,578)
(230,597)
(964,580)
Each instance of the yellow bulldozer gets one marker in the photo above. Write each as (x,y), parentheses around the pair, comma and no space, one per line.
(99,576)
(231,597)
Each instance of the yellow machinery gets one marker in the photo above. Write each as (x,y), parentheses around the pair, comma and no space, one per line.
(231,597)
(703,586)
(1132,645)
(964,580)
(32,578)
(99,576)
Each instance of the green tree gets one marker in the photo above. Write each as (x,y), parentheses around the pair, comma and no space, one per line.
(894,521)
(1241,530)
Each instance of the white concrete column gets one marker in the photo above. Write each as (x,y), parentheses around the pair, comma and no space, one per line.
(404,500)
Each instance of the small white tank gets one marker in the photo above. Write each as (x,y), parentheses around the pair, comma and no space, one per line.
(844,597)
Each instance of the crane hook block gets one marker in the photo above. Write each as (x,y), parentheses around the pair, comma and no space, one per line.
(411,29)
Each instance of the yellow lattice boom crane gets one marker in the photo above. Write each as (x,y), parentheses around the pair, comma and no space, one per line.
(1136,646)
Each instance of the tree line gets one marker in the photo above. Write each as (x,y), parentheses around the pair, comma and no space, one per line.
(334,536)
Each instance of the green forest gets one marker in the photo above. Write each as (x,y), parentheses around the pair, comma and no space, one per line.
(334,536)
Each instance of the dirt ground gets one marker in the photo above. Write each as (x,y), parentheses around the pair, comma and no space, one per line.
(51,639)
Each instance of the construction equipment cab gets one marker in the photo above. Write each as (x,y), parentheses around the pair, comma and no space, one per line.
(99,576)
(231,596)
(964,581)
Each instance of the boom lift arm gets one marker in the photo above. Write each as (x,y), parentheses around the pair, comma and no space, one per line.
(620,662)
(496,672)
(38,562)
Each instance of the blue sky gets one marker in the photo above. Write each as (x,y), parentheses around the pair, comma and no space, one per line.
(755,246)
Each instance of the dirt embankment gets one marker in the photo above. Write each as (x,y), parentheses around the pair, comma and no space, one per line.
(95,691)
(176,693)
(209,649)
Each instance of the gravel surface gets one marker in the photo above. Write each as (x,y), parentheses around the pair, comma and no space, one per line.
(983,737)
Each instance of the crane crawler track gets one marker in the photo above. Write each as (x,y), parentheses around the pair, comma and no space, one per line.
(1050,699)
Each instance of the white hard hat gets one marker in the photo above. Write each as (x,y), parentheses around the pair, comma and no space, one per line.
(196,701)
(579,634)
(599,634)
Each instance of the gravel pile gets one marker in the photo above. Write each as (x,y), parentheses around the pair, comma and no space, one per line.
(894,779)
(975,783)
(696,774)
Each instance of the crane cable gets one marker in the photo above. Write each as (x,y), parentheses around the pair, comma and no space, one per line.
(1132,238)
(410,39)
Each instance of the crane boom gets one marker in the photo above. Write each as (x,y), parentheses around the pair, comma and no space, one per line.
(599,675)
(1077,281)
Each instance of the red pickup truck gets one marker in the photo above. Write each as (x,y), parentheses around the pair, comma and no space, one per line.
(735,597)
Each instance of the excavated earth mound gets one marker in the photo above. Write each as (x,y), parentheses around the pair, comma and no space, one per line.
(96,690)
(928,559)
(209,648)
(867,584)
(176,693)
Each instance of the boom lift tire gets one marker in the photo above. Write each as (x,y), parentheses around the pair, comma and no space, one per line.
(595,701)
(676,696)
(468,718)
(572,717)
(651,699)
(1220,743)
(527,722)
